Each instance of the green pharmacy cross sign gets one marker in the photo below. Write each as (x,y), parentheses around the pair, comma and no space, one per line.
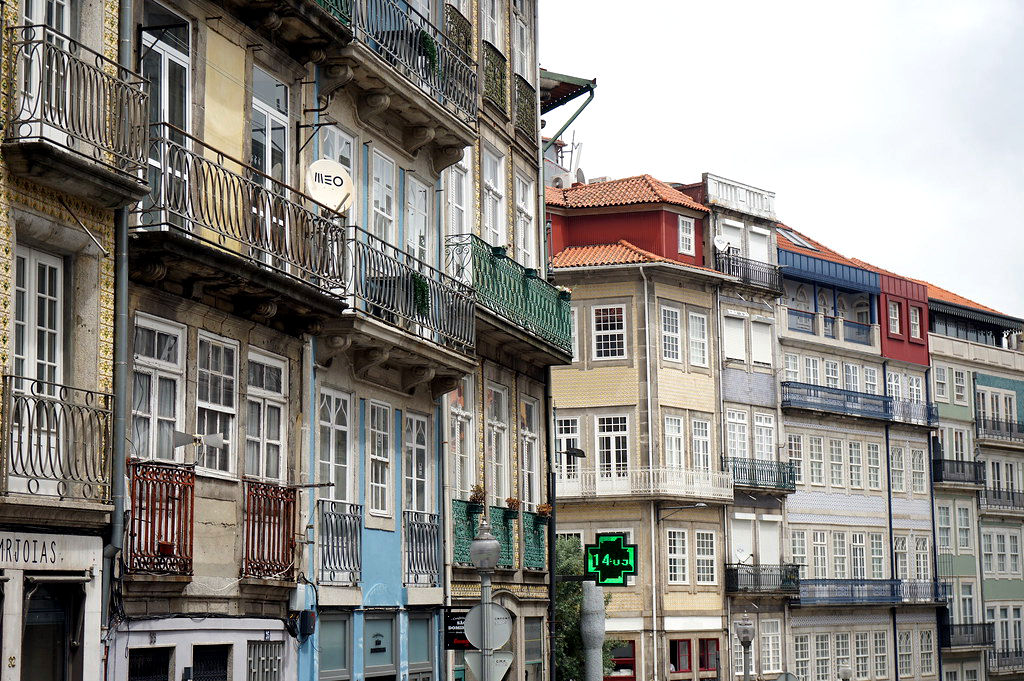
(611,559)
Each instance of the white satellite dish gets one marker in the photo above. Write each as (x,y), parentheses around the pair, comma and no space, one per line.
(329,183)
(721,242)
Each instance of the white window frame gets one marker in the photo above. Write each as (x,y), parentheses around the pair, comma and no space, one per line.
(816,460)
(384,186)
(228,413)
(737,434)
(812,371)
(894,318)
(526,222)
(331,436)
(792,367)
(492,26)
(418,225)
(701,443)
(764,436)
(493,227)
(380,485)
(940,380)
(608,461)
(334,137)
(915,321)
(674,437)
(530,437)
(705,559)
(687,232)
(567,436)
(871,380)
(897,472)
(671,340)
(697,329)
(677,559)
(412,499)
(497,444)
(457,194)
(266,399)
(795,450)
(959,386)
(159,370)
(609,334)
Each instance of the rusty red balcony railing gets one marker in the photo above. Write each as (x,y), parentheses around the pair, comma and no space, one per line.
(269,531)
(162,510)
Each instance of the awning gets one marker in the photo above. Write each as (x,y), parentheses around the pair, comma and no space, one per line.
(999,321)
(557,89)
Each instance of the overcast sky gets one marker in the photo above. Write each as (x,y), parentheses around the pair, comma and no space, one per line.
(891,131)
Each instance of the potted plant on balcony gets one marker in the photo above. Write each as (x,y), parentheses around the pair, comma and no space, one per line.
(512,507)
(426,47)
(544,513)
(477,497)
(564,292)
(420,294)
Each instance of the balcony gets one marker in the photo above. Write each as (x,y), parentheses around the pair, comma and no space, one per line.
(835,400)
(495,88)
(762,579)
(75,120)
(513,293)
(958,472)
(815,592)
(160,527)
(648,482)
(503,527)
(914,413)
(759,474)
(740,197)
(535,532)
(306,28)
(56,442)
(465,517)
(977,635)
(751,272)
(835,331)
(269,532)
(340,540)
(997,500)
(1005,660)
(458,28)
(1000,431)
(422,548)
(526,107)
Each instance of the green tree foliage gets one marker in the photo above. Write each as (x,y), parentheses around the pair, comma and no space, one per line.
(568,599)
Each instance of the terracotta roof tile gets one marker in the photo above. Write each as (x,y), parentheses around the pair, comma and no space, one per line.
(624,192)
(939,293)
(621,252)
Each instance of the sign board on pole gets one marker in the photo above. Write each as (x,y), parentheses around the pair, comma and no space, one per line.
(501,662)
(611,559)
(329,183)
(455,630)
(499,631)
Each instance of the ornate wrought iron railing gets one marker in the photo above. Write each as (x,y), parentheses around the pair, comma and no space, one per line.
(341,528)
(269,530)
(63,93)
(339,9)
(422,548)
(503,526)
(1000,429)
(392,285)
(420,51)
(458,28)
(779,475)
(56,440)
(495,76)
(977,634)
(1001,498)
(919,413)
(162,507)
(464,523)
(534,541)
(526,106)
(1006,659)
(511,290)
(922,591)
(836,400)
(214,198)
(849,591)
(742,578)
(753,272)
(951,470)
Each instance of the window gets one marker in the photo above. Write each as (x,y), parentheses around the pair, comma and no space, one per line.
(922,559)
(497,443)
(463,437)
(839,555)
(761,343)
(1014,553)
(339,146)
(334,415)
(624,661)
(156,387)
(894,385)
(737,657)
(802,656)
(417,219)
(831,374)
(526,228)
(416,466)
(708,653)
(959,445)
(851,376)
(701,444)
(39,316)
(904,651)
(677,553)
(533,645)
(705,557)
(380,458)
(735,339)
(877,555)
(874,466)
(492,23)
(1000,552)
(915,389)
(165,64)
(266,436)
(881,641)
(764,437)
(679,659)
(967,603)
(941,385)
(530,454)
(819,549)
(792,367)
(811,371)
(871,380)
(856,467)
(842,650)
(736,433)
(383,197)
(686,235)
(817,460)
(959,386)
(493,192)
(269,139)
(894,326)
(521,42)
(674,441)
(798,543)
(836,462)
(609,332)
(698,329)
(915,322)
(986,552)
(899,548)
(216,378)
(917,469)
(795,448)
(670,337)
(567,436)
(858,555)
(613,446)
(822,659)
(945,524)
(861,655)
(897,469)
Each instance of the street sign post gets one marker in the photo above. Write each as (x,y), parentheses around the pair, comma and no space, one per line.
(501,661)
(611,559)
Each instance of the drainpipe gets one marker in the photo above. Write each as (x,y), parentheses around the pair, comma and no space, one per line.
(892,550)
(650,462)
(552,566)
(935,534)
(120,430)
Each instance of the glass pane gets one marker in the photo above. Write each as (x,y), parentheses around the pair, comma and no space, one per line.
(259,141)
(378,643)
(269,90)
(333,644)
(167,394)
(419,639)
(177,94)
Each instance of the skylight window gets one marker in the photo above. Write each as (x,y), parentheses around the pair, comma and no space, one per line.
(796,238)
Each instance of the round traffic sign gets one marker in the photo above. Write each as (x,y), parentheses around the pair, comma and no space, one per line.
(499,632)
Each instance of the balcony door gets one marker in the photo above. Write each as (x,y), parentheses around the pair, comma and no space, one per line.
(46,102)
(269,155)
(613,454)
(417,463)
(52,632)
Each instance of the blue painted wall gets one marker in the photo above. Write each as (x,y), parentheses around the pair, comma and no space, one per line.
(1000,383)
(806,268)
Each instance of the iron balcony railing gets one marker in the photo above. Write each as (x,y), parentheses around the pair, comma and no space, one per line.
(162,509)
(495,76)
(1006,499)
(923,591)
(918,413)
(762,474)
(458,28)
(56,440)
(763,579)
(422,548)
(341,529)
(836,400)
(975,635)
(856,332)
(667,481)
(464,523)
(534,541)
(269,530)
(63,93)
(951,470)
(870,591)
(801,321)
(1005,659)
(420,52)
(749,271)
(526,106)
(1000,429)
(510,290)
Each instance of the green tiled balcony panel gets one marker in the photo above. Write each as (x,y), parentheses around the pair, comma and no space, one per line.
(535,541)
(503,526)
(339,9)
(464,521)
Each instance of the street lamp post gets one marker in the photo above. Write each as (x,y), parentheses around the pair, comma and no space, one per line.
(567,454)
(744,629)
(484,551)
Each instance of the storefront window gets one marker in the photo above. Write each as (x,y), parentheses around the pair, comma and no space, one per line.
(623,663)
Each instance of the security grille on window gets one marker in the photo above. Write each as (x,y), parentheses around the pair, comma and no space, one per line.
(156,387)
(266,660)
(380,458)
(216,379)
(265,438)
(609,332)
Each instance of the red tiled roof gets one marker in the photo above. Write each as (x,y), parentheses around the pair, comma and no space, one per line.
(620,253)
(624,192)
(823,252)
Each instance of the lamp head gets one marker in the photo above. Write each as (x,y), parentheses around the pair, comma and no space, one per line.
(485,550)
(744,629)
(845,673)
